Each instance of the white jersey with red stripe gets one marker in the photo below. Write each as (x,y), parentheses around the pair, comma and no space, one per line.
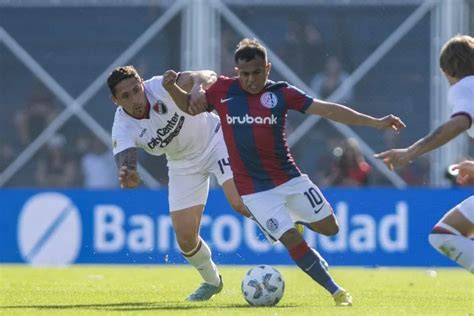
(461,98)
(167,130)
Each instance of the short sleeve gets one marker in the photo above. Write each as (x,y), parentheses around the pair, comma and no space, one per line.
(461,101)
(296,99)
(121,139)
(215,92)
(155,85)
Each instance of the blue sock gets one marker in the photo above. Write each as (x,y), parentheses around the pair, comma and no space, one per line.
(311,262)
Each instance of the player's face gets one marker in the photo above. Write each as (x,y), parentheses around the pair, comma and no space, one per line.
(253,74)
(130,94)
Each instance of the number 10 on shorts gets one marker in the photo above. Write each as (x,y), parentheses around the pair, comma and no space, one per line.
(314,197)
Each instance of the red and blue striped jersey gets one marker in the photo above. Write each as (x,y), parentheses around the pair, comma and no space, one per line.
(254,131)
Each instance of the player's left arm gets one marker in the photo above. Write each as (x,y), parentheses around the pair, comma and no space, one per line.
(343,114)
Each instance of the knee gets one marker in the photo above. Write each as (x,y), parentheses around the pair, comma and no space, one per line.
(328,230)
(187,241)
(332,230)
(291,238)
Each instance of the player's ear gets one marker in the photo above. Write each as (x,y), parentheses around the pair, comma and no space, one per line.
(114,99)
(268,67)
(236,70)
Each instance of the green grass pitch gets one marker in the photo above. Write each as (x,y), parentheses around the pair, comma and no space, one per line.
(161,290)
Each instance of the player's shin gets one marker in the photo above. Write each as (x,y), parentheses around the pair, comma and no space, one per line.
(200,258)
(311,262)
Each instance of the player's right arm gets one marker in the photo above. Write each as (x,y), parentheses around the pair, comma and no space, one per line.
(126,162)
(181,97)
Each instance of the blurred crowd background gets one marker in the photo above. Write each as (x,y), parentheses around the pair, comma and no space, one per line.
(323,43)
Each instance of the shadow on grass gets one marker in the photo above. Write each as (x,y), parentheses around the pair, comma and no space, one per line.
(139,306)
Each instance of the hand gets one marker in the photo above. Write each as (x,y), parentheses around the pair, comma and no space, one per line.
(197,101)
(128,178)
(395,157)
(390,121)
(169,79)
(465,171)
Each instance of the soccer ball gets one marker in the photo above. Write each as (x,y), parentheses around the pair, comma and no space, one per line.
(263,286)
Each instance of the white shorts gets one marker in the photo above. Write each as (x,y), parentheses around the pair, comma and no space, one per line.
(190,186)
(298,200)
(466,207)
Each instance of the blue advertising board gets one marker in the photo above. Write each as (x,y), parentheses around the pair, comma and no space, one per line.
(378,227)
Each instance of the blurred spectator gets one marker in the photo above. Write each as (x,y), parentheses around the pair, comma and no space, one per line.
(98,166)
(228,40)
(350,167)
(325,83)
(303,48)
(325,151)
(56,167)
(7,154)
(34,117)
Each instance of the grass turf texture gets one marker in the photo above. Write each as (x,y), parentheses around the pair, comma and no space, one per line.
(161,290)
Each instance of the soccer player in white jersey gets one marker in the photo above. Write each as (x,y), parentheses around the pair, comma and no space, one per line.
(451,235)
(148,118)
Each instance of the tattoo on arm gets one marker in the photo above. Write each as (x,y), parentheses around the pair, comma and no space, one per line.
(127,158)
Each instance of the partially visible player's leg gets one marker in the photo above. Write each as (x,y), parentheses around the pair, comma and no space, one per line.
(271,212)
(187,197)
(451,235)
(234,198)
(219,166)
(307,204)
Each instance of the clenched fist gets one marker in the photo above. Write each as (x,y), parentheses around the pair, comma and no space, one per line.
(128,178)
(169,79)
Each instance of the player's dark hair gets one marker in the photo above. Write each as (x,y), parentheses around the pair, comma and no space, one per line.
(119,74)
(248,49)
(457,57)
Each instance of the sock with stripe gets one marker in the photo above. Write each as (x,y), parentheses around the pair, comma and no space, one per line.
(311,262)
(200,258)
(451,243)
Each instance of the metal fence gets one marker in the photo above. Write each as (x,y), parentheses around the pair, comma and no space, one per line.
(55,56)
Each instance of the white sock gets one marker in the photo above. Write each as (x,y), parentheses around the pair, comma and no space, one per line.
(200,258)
(456,247)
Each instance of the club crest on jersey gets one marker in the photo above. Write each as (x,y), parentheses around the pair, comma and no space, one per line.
(269,100)
(160,108)
(272,224)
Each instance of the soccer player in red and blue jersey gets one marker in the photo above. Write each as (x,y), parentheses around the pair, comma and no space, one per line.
(253,112)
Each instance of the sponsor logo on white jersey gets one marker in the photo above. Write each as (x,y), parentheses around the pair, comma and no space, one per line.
(247,119)
(165,135)
(269,100)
